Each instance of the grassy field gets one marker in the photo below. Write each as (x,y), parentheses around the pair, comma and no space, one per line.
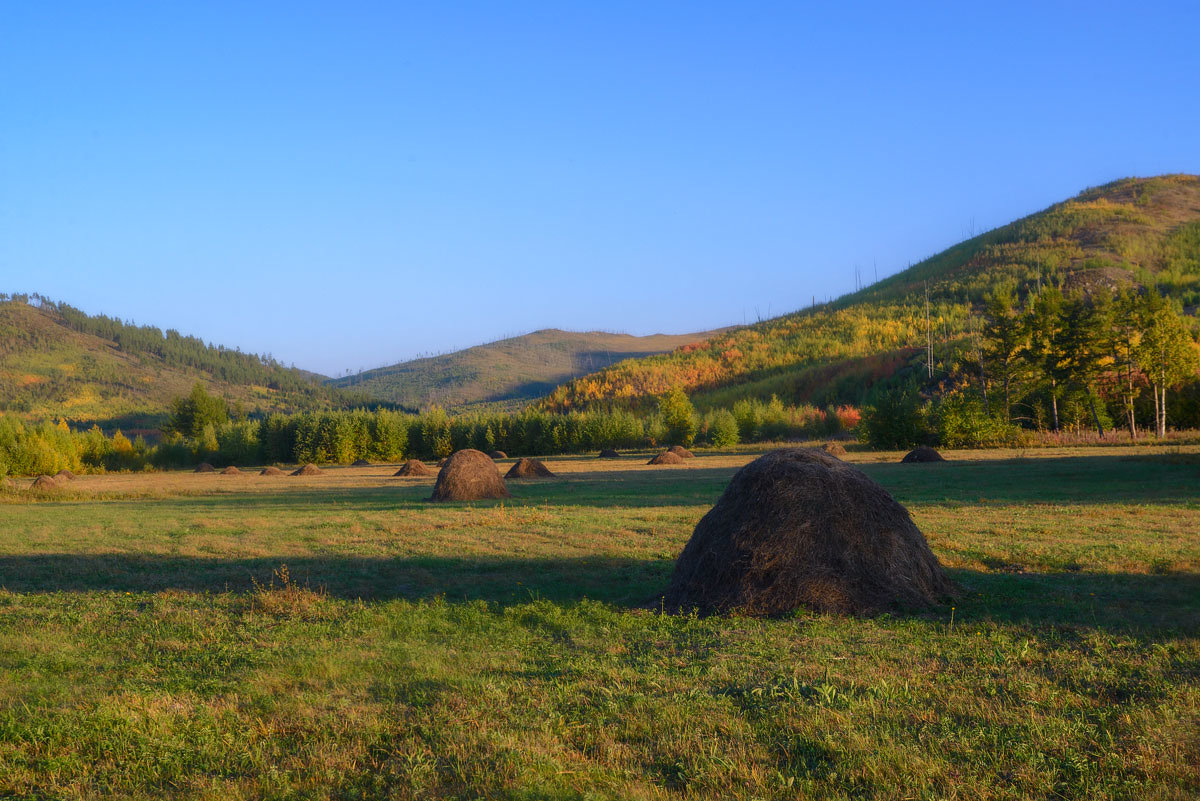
(208,636)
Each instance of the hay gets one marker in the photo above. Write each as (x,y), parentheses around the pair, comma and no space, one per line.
(468,475)
(231,471)
(361,463)
(666,457)
(413,468)
(681,452)
(498,455)
(529,468)
(204,467)
(798,528)
(609,453)
(922,454)
(44,484)
(271,471)
(442,461)
(8,484)
(64,475)
(834,449)
(309,469)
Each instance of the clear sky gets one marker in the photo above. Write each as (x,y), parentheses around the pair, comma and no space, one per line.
(349,184)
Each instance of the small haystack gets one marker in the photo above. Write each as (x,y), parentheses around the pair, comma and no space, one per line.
(44,484)
(529,468)
(498,455)
(271,471)
(609,453)
(413,467)
(834,449)
(681,452)
(309,469)
(204,467)
(64,475)
(797,528)
(922,454)
(469,475)
(361,463)
(231,471)
(442,462)
(666,457)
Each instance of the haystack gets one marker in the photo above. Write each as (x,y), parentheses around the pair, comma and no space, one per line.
(922,454)
(498,455)
(442,462)
(798,528)
(44,484)
(609,453)
(529,468)
(7,484)
(469,475)
(361,463)
(270,471)
(204,467)
(309,469)
(681,451)
(64,475)
(231,471)
(834,449)
(666,457)
(413,467)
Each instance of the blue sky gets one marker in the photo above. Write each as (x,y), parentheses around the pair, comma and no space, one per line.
(346,185)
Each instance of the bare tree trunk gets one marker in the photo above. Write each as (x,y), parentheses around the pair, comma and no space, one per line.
(1129,404)
(1095,416)
(1054,401)
(1157,413)
(1162,424)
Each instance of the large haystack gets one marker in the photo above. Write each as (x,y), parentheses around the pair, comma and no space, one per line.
(64,475)
(798,528)
(271,471)
(44,484)
(609,453)
(231,471)
(413,468)
(204,467)
(498,455)
(834,449)
(666,457)
(922,454)
(469,475)
(309,469)
(361,463)
(681,451)
(528,468)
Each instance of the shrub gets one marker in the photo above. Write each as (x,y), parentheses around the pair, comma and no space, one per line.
(897,419)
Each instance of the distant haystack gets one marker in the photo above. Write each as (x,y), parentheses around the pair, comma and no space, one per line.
(666,457)
(271,471)
(309,469)
(469,475)
(44,484)
(834,449)
(231,471)
(609,453)
(798,528)
(922,454)
(498,455)
(204,467)
(413,468)
(361,463)
(529,468)
(681,452)
(64,475)
(442,462)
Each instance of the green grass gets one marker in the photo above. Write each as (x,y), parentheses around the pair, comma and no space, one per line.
(150,647)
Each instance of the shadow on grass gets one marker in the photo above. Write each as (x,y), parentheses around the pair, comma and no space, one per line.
(1114,601)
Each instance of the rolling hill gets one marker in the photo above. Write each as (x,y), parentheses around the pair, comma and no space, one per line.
(1133,231)
(57,362)
(509,372)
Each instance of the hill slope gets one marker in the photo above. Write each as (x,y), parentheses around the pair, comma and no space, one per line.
(56,361)
(1144,231)
(508,372)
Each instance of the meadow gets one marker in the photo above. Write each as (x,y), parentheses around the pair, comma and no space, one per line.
(197,636)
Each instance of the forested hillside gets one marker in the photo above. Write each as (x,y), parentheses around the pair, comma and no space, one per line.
(1128,234)
(507,373)
(57,362)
